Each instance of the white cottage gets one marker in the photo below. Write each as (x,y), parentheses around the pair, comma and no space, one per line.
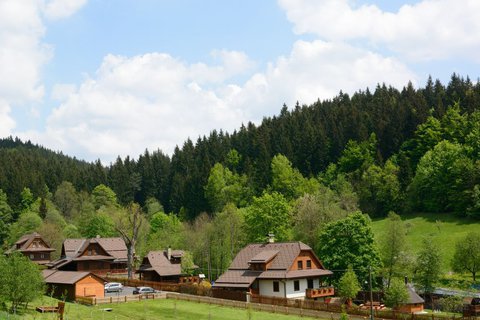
(283,269)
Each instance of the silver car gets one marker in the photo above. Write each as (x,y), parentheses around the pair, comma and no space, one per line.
(113,287)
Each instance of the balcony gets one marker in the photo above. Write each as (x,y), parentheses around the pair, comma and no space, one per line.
(320,292)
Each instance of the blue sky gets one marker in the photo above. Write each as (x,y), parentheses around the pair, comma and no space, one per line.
(101,78)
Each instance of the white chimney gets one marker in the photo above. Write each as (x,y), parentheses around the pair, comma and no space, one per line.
(271,237)
(169,253)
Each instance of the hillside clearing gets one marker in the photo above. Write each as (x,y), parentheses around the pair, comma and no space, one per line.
(445,229)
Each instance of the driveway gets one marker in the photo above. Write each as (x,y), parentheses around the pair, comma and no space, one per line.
(127,291)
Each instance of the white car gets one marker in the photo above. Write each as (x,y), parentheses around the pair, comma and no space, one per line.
(143,290)
(113,287)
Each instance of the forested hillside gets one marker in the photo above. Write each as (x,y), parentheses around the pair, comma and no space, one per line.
(311,137)
(304,175)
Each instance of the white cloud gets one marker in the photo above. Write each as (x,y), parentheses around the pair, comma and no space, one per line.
(59,9)
(156,101)
(320,69)
(7,124)
(22,54)
(147,101)
(427,30)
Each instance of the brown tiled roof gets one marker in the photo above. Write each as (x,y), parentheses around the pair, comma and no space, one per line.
(157,261)
(264,256)
(115,247)
(25,241)
(65,277)
(280,255)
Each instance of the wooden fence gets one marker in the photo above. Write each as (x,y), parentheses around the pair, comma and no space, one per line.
(335,308)
(119,299)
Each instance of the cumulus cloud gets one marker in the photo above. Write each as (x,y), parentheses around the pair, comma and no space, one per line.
(22,53)
(426,30)
(146,101)
(59,9)
(157,101)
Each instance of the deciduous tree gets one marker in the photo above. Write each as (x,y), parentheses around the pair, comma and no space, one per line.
(20,280)
(467,255)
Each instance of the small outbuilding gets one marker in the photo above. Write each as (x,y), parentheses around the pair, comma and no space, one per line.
(414,303)
(71,284)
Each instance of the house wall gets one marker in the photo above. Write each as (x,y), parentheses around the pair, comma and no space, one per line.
(304,256)
(61,291)
(90,286)
(266,288)
(411,308)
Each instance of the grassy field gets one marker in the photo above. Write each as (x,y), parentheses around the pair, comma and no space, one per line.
(150,310)
(445,229)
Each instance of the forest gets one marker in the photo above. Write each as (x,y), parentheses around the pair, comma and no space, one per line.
(298,174)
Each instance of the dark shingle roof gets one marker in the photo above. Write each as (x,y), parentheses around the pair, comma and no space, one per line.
(413,297)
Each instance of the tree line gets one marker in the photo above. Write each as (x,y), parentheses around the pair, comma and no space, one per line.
(311,137)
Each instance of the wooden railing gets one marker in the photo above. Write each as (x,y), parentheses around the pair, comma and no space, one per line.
(319,292)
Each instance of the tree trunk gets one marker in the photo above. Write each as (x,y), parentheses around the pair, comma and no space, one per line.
(130,251)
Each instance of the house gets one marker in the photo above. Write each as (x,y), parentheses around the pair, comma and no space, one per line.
(71,284)
(34,247)
(163,266)
(97,255)
(283,269)
(414,304)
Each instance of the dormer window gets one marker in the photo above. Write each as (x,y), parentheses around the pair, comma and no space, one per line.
(309,264)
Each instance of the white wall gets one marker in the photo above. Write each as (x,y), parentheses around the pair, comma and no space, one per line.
(266,288)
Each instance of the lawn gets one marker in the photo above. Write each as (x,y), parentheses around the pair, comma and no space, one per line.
(151,309)
(445,229)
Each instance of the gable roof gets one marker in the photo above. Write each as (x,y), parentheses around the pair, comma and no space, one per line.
(72,250)
(66,277)
(114,247)
(25,241)
(158,261)
(280,255)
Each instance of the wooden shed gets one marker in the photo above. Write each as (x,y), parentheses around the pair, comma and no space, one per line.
(72,284)
(414,304)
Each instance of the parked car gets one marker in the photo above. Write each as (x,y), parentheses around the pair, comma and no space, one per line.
(113,287)
(143,290)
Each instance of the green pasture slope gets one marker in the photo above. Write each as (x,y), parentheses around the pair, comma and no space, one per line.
(150,310)
(445,229)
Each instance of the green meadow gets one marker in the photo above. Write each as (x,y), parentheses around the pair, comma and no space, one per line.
(149,310)
(445,229)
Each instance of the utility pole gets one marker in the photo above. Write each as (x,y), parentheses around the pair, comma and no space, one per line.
(371,293)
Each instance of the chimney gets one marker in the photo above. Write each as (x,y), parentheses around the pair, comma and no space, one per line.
(271,237)
(169,253)
(98,236)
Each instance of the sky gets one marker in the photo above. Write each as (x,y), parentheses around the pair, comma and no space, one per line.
(97,79)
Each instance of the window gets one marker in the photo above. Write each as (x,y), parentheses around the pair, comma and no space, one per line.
(300,265)
(276,286)
(296,285)
(310,283)
(309,264)
(32,257)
